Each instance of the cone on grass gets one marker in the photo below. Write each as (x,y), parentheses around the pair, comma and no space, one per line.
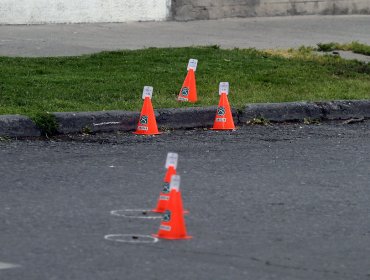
(164,196)
(188,92)
(173,222)
(224,117)
(147,124)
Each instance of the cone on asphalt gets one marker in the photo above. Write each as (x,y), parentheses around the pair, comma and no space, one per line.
(147,124)
(173,222)
(164,196)
(188,92)
(224,117)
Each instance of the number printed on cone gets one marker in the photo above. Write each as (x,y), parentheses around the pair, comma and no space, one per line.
(167,216)
(166,188)
(185,91)
(221,111)
(144,119)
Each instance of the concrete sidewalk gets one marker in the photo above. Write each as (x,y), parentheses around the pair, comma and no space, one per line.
(262,33)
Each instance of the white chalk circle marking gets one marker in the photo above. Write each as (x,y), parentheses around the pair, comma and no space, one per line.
(136,214)
(131,238)
(8,265)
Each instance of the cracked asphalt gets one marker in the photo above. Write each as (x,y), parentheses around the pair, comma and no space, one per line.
(266,202)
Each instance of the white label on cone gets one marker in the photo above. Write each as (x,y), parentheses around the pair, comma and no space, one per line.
(220,119)
(166,228)
(172,160)
(193,64)
(224,88)
(175,182)
(147,92)
(140,127)
(164,197)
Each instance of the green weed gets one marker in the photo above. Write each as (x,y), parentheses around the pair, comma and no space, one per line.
(46,123)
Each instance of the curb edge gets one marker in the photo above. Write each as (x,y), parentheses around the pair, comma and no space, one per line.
(187,118)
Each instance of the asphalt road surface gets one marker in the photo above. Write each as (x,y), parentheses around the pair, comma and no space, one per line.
(261,33)
(275,202)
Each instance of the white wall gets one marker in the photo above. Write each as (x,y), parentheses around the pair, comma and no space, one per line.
(77,11)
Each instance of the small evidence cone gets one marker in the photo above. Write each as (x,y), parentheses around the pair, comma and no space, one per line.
(173,222)
(224,118)
(147,124)
(188,92)
(164,196)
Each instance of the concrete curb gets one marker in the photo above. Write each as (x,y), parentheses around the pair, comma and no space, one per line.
(18,126)
(298,111)
(183,118)
(105,121)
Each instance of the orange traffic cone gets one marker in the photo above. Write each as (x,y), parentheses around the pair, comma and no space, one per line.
(164,196)
(188,90)
(224,118)
(147,124)
(173,223)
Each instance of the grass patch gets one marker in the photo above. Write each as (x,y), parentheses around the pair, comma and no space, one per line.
(355,47)
(360,48)
(114,80)
(327,47)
